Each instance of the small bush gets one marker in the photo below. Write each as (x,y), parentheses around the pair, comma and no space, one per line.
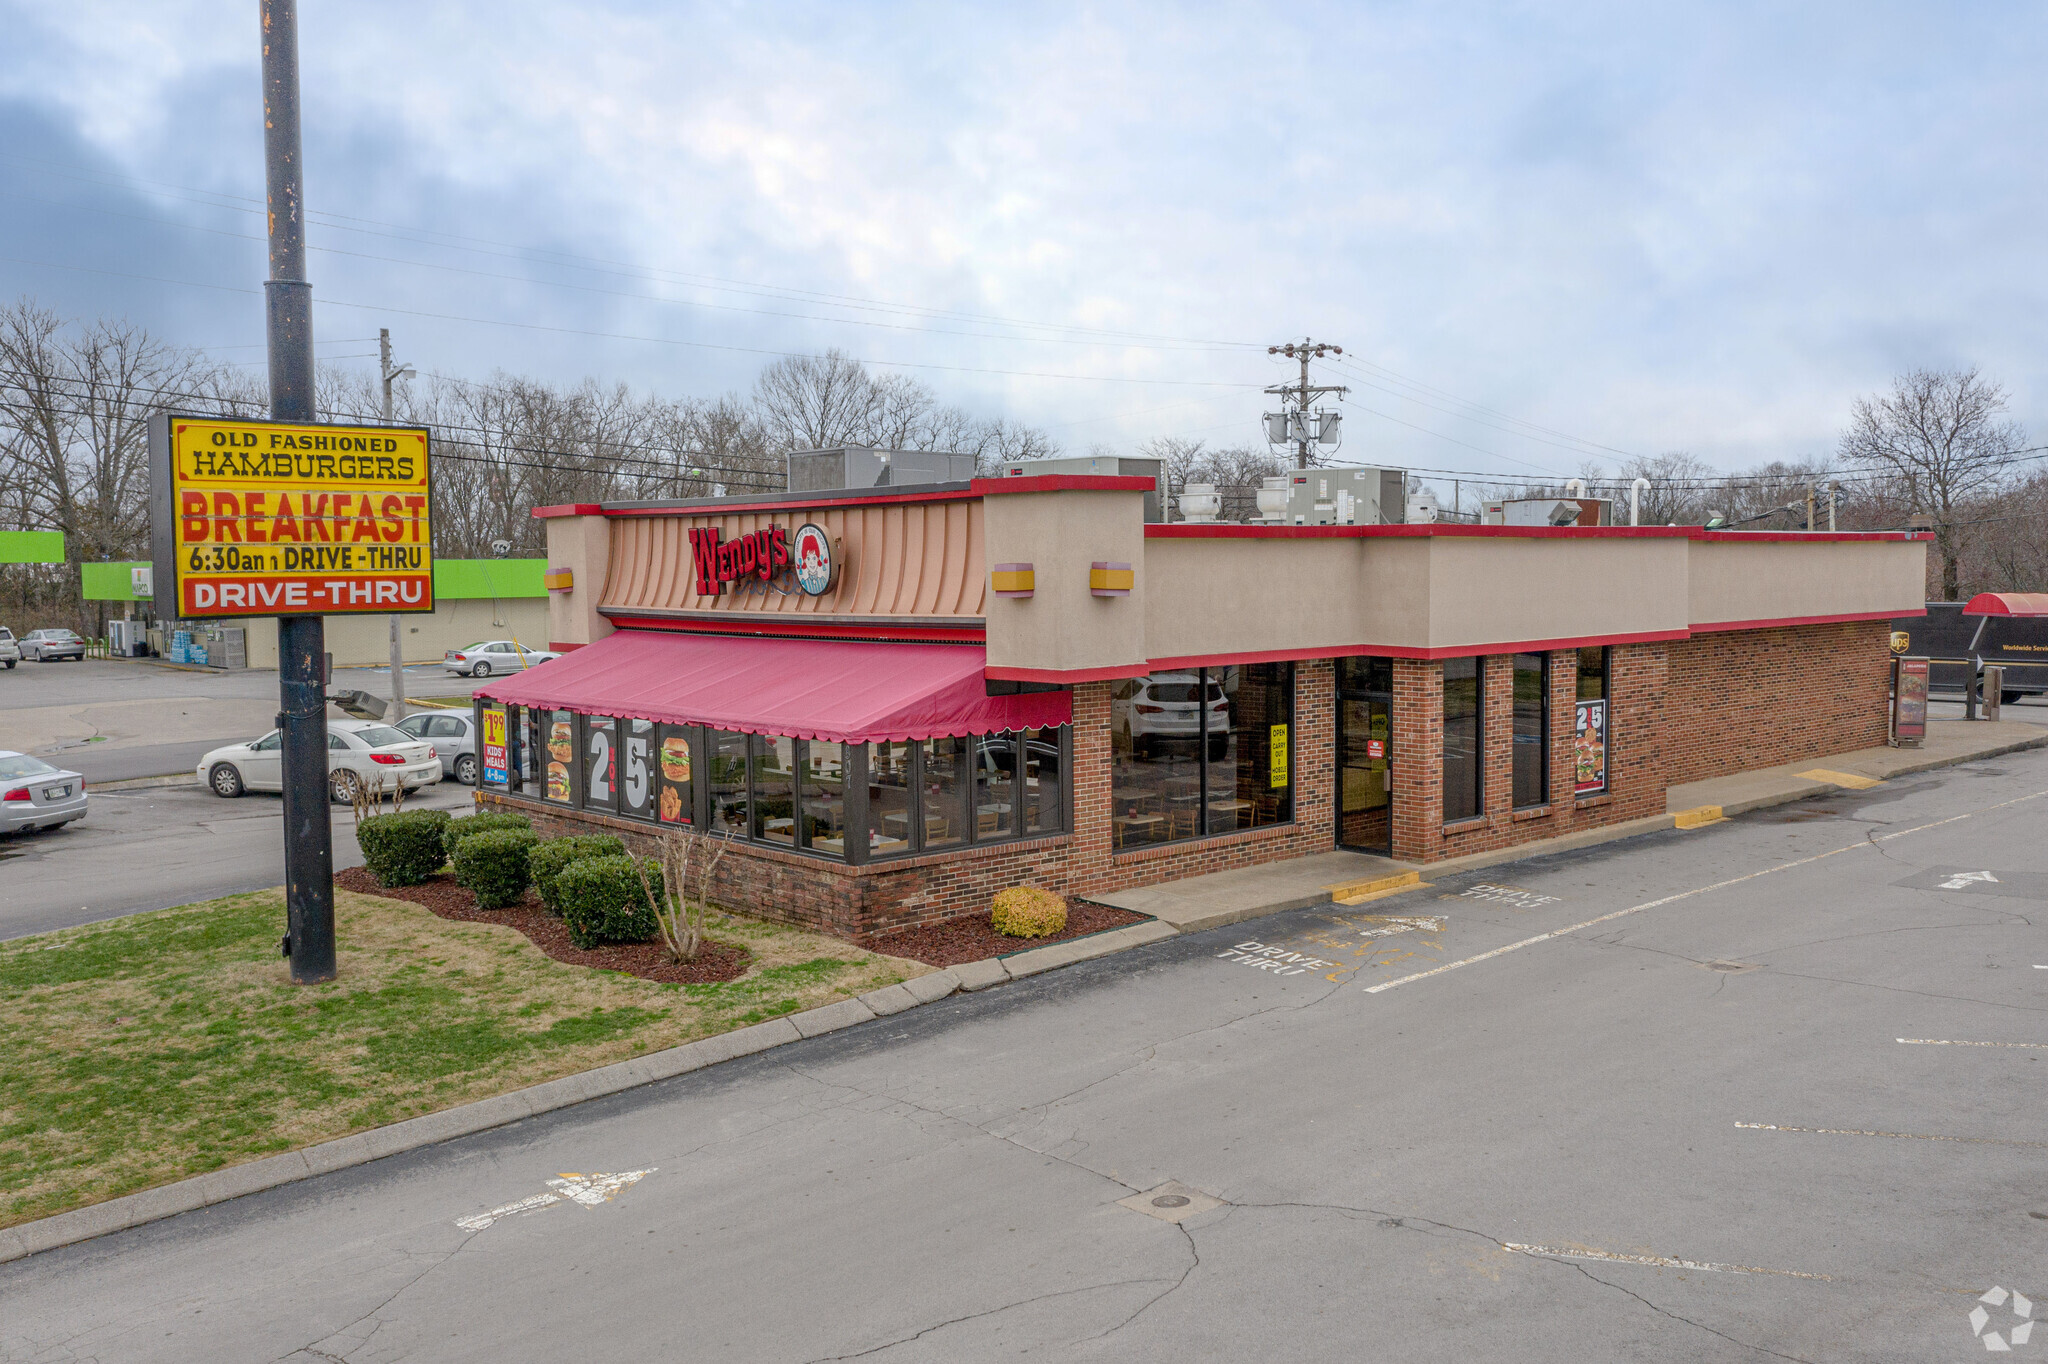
(1028,912)
(492,865)
(549,859)
(403,848)
(459,829)
(603,902)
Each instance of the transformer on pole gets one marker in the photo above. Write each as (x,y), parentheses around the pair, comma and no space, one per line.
(1296,423)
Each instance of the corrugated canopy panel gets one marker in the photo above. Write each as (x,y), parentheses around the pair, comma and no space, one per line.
(2008,604)
(806,689)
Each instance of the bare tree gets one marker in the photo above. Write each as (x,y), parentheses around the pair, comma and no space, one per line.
(815,403)
(1941,435)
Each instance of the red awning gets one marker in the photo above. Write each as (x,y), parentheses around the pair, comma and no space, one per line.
(2008,604)
(805,689)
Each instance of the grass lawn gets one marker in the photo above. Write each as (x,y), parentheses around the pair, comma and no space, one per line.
(159,1046)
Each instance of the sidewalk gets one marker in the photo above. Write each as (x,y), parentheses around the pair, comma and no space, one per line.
(1226,897)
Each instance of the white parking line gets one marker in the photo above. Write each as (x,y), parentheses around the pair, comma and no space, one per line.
(1582,1253)
(1688,894)
(1949,1042)
(1900,1136)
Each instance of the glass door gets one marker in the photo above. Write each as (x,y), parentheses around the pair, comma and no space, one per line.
(1365,754)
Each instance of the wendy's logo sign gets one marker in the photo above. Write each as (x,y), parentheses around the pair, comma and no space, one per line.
(814,567)
(762,554)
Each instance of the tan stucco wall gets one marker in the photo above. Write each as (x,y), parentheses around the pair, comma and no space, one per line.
(583,545)
(1782,579)
(1061,626)
(365,641)
(1497,590)
(1218,596)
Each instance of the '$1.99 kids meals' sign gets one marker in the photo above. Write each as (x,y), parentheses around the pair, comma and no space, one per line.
(258,518)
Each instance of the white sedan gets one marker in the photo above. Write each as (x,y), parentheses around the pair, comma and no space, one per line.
(493,656)
(360,754)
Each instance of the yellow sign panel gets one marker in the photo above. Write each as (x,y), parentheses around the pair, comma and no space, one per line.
(275,518)
(1278,761)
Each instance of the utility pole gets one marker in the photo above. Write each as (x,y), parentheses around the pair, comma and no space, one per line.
(389,372)
(301,640)
(1294,422)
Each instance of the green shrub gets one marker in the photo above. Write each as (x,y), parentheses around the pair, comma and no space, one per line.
(402,849)
(492,864)
(548,860)
(603,902)
(1028,912)
(458,829)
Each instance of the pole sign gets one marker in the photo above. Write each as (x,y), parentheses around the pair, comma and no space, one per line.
(262,518)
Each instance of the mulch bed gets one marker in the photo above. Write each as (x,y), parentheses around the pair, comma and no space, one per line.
(971,938)
(719,961)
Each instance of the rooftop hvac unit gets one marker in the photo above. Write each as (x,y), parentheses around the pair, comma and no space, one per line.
(1548,511)
(1347,497)
(860,466)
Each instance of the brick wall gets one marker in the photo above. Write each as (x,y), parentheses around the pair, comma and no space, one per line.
(1755,698)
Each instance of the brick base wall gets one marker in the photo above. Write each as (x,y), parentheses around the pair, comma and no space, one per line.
(1756,698)
(1677,712)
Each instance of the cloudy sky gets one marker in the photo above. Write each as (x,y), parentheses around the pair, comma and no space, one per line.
(1542,233)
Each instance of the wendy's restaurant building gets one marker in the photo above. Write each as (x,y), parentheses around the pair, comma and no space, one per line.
(900,700)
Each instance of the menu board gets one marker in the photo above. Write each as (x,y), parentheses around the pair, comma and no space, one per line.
(1909,700)
(1589,747)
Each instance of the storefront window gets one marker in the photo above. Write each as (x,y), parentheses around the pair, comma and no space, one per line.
(726,760)
(561,751)
(1201,750)
(1463,734)
(995,786)
(1589,723)
(889,793)
(823,797)
(945,792)
(773,804)
(636,768)
(675,804)
(1532,730)
(1045,804)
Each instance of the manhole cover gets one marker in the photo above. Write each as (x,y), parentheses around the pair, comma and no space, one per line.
(1170,1202)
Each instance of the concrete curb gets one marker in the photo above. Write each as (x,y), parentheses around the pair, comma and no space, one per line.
(143,783)
(360,1148)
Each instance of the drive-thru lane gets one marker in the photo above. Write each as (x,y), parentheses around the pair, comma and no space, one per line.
(1689,1131)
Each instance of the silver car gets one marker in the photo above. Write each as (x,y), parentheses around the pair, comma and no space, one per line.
(494,656)
(360,753)
(35,795)
(45,646)
(10,648)
(453,735)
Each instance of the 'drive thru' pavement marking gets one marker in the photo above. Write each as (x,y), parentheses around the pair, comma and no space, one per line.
(1947,1042)
(1688,894)
(589,1190)
(1581,1253)
(1897,1136)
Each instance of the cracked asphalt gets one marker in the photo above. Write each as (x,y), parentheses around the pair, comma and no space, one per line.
(1533,1156)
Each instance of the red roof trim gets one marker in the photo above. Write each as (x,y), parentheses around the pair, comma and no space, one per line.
(798,629)
(1182,530)
(567,509)
(1062,483)
(1066,675)
(1717,626)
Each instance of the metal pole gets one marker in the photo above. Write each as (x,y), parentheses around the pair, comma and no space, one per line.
(301,640)
(1301,455)
(397,710)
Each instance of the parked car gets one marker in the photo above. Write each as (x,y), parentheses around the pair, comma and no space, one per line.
(359,753)
(1145,710)
(46,646)
(35,795)
(10,648)
(493,656)
(453,735)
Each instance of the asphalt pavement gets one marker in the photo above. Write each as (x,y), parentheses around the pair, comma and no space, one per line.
(1765,1089)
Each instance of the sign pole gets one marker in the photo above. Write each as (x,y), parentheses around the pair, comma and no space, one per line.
(301,639)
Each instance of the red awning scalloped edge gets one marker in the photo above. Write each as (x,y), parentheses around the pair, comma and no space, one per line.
(2008,604)
(846,690)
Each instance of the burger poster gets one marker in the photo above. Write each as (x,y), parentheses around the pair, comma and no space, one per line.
(1589,747)
(561,746)
(672,803)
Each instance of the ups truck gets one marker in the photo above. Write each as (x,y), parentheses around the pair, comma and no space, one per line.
(2017,644)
